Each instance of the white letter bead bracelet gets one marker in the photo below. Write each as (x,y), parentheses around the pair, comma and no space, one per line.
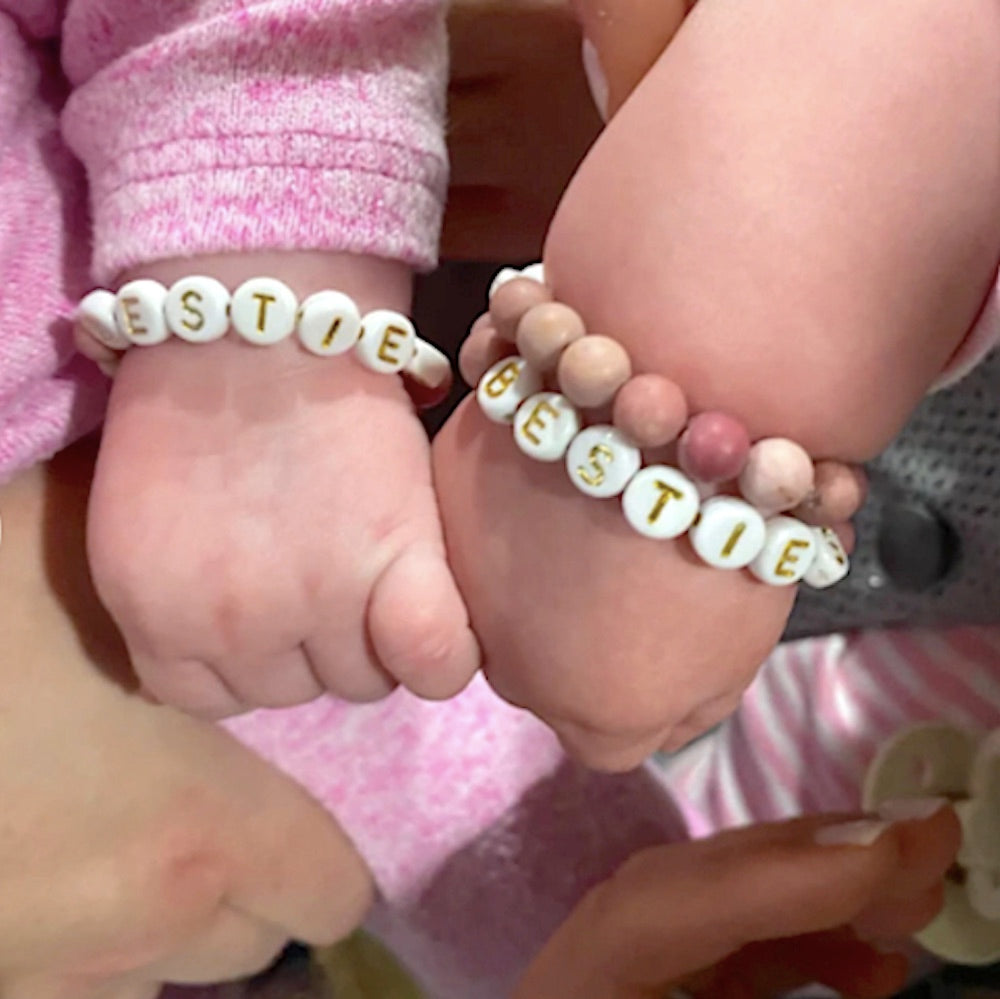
(764,505)
(263,311)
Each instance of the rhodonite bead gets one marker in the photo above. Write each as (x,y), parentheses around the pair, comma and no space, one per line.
(545,331)
(713,447)
(511,301)
(592,369)
(838,493)
(650,409)
(778,475)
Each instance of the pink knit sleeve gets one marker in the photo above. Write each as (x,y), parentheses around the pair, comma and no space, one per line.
(238,125)
(49,396)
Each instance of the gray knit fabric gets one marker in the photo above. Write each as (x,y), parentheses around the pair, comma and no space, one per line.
(948,458)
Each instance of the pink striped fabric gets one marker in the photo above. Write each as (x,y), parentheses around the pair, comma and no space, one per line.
(817,714)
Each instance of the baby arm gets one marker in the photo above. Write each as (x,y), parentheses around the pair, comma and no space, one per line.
(283,499)
(796,218)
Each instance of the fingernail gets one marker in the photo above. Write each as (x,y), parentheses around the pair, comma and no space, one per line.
(861,832)
(596,79)
(910,809)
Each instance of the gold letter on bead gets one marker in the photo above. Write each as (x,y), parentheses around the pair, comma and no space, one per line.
(390,343)
(535,419)
(503,379)
(667,493)
(186,300)
(838,552)
(734,538)
(600,456)
(332,332)
(789,558)
(131,318)
(265,301)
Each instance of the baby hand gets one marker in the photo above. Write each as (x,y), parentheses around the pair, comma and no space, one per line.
(263,525)
(718,238)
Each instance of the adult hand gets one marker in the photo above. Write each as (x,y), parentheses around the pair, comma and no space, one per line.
(753,913)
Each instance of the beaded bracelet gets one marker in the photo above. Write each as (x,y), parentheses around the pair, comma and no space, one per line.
(559,372)
(263,311)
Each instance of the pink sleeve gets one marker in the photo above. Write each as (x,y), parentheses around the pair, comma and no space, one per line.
(49,396)
(221,125)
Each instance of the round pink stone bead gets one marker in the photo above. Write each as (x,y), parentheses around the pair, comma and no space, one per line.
(838,493)
(545,331)
(481,349)
(512,300)
(714,447)
(778,475)
(651,409)
(592,369)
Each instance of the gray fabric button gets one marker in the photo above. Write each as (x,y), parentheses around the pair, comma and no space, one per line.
(916,547)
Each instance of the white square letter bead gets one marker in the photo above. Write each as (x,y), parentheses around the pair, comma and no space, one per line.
(96,315)
(387,342)
(329,323)
(544,425)
(830,563)
(729,533)
(197,309)
(789,549)
(601,460)
(428,366)
(505,386)
(660,502)
(263,310)
(139,312)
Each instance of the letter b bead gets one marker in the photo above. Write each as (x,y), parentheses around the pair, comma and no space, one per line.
(505,386)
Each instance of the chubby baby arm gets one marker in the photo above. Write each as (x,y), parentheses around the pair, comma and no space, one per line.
(796,218)
(263,525)
(169,836)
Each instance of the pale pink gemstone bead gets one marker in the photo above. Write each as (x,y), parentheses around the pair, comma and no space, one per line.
(480,350)
(512,300)
(592,369)
(714,447)
(651,409)
(545,331)
(778,475)
(838,493)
